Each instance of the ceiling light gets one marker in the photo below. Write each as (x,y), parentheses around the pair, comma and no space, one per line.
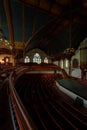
(3,41)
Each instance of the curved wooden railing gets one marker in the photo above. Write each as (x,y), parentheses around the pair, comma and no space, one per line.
(23,119)
(24,122)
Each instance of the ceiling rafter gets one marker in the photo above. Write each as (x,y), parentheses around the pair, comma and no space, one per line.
(23,24)
(35,19)
(46,10)
(59,9)
(9,21)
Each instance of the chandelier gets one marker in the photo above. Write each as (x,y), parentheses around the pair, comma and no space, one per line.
(3,41)
(70,50)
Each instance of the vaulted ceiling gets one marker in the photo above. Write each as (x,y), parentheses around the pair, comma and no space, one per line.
(50,25)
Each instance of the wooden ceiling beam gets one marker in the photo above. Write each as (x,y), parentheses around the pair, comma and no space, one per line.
(35,19)
(9,21)
(23,25)
(44,9)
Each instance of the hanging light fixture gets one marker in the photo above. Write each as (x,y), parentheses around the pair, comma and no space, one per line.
(70,50)
(3,41)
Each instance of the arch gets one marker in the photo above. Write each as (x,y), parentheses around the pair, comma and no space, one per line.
(75,63)
(66,63)
(27,59)
(41,53)
(45,60)
(37,58)
(61,63)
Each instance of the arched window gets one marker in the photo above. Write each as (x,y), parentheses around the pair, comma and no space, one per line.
(61,63)
(27,59)
(37,58)
(75,63)
(45,60)
(66,63)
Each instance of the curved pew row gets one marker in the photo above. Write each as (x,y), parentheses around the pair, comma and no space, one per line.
(26,97)
(74,117)
(33,95)
(32,98)
(57,117)
(43,111)
(56,110)
(44,115)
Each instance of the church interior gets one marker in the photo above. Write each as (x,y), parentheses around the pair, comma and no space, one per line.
(43,64)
